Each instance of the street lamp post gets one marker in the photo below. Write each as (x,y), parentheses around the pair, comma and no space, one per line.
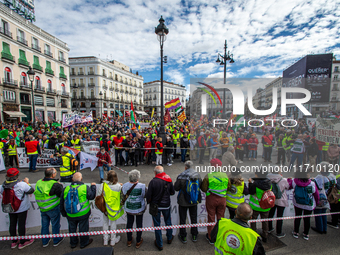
(225,58)
(101,103)
(161,31)
(31,75)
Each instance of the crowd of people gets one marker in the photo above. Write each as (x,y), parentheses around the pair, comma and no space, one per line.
(134,146)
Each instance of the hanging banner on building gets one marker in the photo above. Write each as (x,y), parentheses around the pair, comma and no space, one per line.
(96,218)
(90,147)
(43,160)
(328,130)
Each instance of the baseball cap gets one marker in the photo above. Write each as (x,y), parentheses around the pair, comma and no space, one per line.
(12,172)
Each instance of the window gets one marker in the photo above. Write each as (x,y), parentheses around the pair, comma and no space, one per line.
(82,93)
(92,93)
(166,90)
(5,28)
(63,88)
(72,71)
(23,79)
(48,69)
(35,44)
(38,100)
(48,50)
(336,69)
(335,77)
(22,58)
(91,70)
(37,82)
(21,37)
(8,74)
(61,56)
(166,97)
(9,95)
(50,101)
(49,85)
(6,52)
(24,98)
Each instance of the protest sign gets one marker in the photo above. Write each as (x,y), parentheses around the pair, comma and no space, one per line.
(328,130)
(87,160)
(144,125)
(69,119)
(43,160)
(91,147)
(2,163)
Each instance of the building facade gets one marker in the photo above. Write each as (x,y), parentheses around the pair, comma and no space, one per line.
(152,96)
(25,45)
(334,104)
(104,87)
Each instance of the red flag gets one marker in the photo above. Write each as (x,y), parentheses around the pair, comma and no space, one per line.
(167,117)
(14,134)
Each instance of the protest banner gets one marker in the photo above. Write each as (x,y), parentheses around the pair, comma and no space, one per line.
(310,122)
(144,125)
(72,151)
(91,147)
(328,130)
(87,160)
(69,119)
(42,161)
(2,163)
(96,218)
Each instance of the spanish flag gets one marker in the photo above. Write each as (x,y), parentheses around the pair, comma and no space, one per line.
(173,104)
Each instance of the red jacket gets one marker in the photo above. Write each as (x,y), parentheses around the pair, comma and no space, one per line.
(320,144)
(32,146)
(200,144)
(118,141)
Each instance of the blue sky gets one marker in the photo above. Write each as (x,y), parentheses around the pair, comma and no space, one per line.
(264,36)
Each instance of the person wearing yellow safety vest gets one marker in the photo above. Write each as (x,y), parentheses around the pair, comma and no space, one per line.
(80,218)
(286,143)
(235,236)
(324,152)
(134,205)
(256,189)
(76,143)
(235,194)
(33,152)
(47,195)
(175,137)
(111,191)
(64,161)
(215,185)
(12,152)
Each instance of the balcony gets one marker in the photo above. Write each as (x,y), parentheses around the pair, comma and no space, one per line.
(91,84)
(111,77)
(62,59)
(335,89)
(336,70)
(23,62)
(51,91)
(36,47)
(117,89)
(25,85)
(334,99)
(6,32)
(104,74)
(62,76)
(90,73)
(10,82)
(72,73)
(49,71)
(111,88)
(82,85)
(105,87)
(63,105)
(39,89)
(37,67)
(80,73)
(48,53)
(26,102)
(22,40)
(64,93)
(7,56)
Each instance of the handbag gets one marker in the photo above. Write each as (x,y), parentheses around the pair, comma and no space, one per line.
(127,194)
(153,207)
(100,202)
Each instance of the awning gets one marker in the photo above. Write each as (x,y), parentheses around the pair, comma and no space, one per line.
(141,113)
(15,114)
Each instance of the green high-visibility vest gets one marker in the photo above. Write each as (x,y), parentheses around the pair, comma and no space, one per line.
(234,239)
(254,201)
(65,169)
(218,184)
(12,151)
(235,195)
(325,147)
(285,142)
(112,202)
(82,197)
(336,178)
(175,137)
(76,144)
(44,200)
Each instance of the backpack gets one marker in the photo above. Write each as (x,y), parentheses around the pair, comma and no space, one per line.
(322,195)
(267,200)
(10,202)
(105,145)
(301,195)
(276,190)
(192,191)
(72,205)
(74,164)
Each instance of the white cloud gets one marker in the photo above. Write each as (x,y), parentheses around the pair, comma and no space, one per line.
(205,68)
(174,76)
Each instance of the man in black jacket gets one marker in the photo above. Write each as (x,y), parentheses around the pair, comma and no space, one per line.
(159,191)
(184,144)
(53,141)
(82,221)
(189,175)
(243,215)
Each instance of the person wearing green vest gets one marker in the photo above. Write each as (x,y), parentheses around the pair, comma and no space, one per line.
(76,143)
(256,189)
(81,218)
(47,195)
(175,137)
(64,161)
(111,190)
(324,152)
(215,185)
(286,144)
(235,236)
(12,152)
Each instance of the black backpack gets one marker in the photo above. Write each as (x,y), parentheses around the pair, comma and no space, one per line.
(105,145)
